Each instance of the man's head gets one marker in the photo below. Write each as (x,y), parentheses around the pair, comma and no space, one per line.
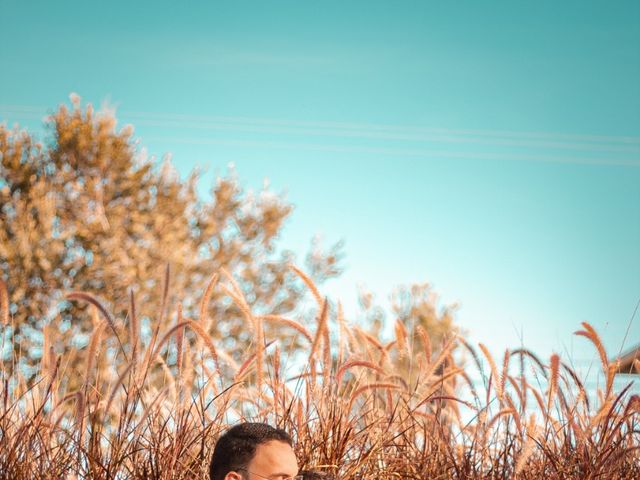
(253,451)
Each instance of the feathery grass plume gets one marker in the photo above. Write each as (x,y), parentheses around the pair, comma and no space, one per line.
(390,345)
(188,371)
(309,283)
(612,369)
(376,423)
(602,412)
(46,343)
(134,328)
(79,417)
(502,413)
(494,369)
(50,364)
(42,401)
(166,337)
(322,333)
(53,360)
(633,405)
(278,319)
(615,405)
(236,294)
(539,400)
(179,342)
(505,370)
(234,284)
(576,428)
(165,294)
(260,348)
(228,359)
(426,342)
(95,316)
(370,340)
(576,380)
(437,386)
(276,365)
(92,350)
(515,415)
(472,389)
(326,349)
(244,369)
(440,359)
(149,408)
(149,356)
(241,304)
(204,302)
(117,386)
(400,379)
(322,321)
(525,453)
(87,297)
(590,333)
(401,339)
(554,368)
(608,369)
(197,328)
(4,303)
(168,375)
(474,354)
(521,392)
(356,363)
(523,352)
(300,423)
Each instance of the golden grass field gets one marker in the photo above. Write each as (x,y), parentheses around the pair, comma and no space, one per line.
(152,406)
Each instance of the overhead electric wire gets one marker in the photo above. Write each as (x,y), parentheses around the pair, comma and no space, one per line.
(402,137)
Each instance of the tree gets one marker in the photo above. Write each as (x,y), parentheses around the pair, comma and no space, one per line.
(88,212)
(423,327)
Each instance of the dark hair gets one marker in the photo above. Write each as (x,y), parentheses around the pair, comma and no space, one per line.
(317,475)
(237,446)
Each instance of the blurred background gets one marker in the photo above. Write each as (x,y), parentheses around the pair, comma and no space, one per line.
(490,149)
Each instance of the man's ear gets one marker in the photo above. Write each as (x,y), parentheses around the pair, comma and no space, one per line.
(233,476)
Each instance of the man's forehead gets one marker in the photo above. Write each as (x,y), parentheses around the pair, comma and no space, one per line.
(275,454)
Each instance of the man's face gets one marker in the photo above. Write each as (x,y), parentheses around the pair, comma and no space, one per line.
(273,460)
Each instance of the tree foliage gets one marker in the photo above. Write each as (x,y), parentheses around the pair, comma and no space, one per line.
(423,326)
(87,212)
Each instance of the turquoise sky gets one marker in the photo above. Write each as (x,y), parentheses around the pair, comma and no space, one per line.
(490,148)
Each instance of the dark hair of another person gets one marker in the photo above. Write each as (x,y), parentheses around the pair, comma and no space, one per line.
(237,446)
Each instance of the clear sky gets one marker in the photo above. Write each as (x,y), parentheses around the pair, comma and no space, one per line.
(490,148)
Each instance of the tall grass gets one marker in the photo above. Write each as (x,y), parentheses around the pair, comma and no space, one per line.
(152,406)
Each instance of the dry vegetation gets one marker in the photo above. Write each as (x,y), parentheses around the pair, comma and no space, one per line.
(151,406)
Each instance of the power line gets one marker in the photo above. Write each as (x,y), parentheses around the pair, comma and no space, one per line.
(425,153)
(401,135)
(362,128)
